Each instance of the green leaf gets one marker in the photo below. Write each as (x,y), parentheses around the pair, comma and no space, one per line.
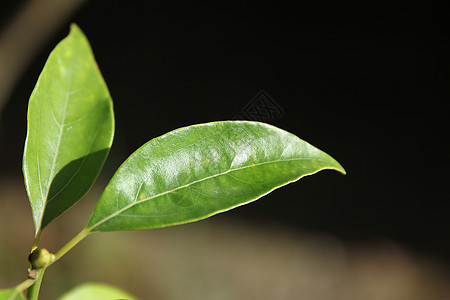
(198,171)
(70,129)
(96,291)
(11,294)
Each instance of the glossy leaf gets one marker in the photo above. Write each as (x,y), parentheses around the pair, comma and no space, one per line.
(198,171)
(11,294)
(96,291)
(70,129)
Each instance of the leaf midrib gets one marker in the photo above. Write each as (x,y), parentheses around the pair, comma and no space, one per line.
(58,144)
(77,170)
(194,182)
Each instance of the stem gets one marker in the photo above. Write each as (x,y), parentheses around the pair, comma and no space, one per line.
(21,287)
(33,291)
(36,240)
(72,243)
(34,285)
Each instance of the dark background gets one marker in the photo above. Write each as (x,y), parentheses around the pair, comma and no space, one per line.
(368,85)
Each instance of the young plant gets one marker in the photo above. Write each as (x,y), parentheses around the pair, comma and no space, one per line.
(183,176)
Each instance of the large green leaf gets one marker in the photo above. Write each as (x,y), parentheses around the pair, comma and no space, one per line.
(11,294)
(70,129)
(198,171)
(96,291)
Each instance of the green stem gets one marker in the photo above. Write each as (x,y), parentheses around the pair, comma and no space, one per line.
(21,287)
(33,291)
(35,285)
(36,240)
(72,243)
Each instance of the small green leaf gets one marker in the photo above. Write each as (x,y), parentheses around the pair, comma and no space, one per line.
(11,294)
(96,291)
(70,129)
(198,171)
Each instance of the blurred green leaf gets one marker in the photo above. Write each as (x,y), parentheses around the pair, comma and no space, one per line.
(10,294)
(96,291)
(70,129)
(201,170)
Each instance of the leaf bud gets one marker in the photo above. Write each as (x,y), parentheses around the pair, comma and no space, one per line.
(40,258)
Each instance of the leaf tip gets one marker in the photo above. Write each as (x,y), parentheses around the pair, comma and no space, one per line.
(342,170)
(338,167)
(74,28)
(75,31)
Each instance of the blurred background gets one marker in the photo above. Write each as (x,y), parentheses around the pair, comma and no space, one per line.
(367,84)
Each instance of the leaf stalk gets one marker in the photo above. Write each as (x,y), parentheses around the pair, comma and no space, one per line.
(36,240)
(72,243)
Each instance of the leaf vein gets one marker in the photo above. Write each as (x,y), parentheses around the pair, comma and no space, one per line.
(138,191)
(53,114)
(78,169)
(58,144)
(37,156)
(119,212)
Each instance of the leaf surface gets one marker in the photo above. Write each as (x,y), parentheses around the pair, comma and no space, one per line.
(10,294)
(96,291)
(70,129)
(198,171)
